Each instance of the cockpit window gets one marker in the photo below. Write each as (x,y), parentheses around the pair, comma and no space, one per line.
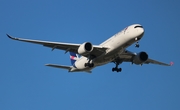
(138,27)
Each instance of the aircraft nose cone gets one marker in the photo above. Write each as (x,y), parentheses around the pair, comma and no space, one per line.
(141,31)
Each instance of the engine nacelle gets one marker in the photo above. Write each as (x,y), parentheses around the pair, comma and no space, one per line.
(85,48)
(140,58)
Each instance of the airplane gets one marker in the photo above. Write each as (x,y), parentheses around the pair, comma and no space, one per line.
(86,56)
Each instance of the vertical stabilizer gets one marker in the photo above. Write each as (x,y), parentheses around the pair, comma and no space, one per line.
(73,57)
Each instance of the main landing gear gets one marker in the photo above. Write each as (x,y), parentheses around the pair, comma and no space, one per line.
(89,63)
(116,68)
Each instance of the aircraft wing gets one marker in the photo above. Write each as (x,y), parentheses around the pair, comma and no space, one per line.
(97,50)
(157,62)
(128,56)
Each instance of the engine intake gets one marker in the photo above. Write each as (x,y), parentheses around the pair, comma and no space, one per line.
(85,48)
(140,58)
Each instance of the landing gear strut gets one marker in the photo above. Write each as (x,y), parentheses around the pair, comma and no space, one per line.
(116,68)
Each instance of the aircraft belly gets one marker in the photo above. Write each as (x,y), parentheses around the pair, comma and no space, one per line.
(118,45)
(103,60)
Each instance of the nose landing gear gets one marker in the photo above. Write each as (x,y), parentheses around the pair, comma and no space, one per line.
(137,45)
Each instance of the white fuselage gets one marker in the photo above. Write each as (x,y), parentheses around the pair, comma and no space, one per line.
(116,45)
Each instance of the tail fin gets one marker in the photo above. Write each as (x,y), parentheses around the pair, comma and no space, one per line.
(73,57)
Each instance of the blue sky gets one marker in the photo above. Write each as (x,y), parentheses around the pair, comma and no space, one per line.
(26,84)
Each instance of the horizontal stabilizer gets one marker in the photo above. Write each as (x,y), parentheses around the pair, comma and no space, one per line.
(59,66)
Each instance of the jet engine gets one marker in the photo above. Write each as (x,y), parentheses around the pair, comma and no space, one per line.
(85,48)
(140,58)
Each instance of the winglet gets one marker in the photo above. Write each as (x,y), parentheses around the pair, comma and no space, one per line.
(12,37)
(171,63)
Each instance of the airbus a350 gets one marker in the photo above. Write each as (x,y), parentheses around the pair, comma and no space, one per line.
(86,56)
